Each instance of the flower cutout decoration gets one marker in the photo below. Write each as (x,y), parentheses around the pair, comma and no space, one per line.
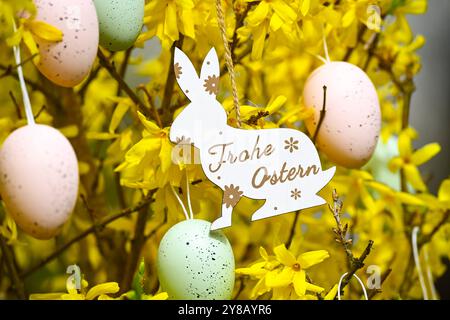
(231,195)
(177,70)
(296,194)
(212,85)
(291,144)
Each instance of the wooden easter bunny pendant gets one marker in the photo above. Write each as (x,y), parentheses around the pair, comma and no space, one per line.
(281,166)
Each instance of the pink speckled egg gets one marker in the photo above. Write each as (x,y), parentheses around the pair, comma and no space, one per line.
(351,127)
(69,61)
(38,179)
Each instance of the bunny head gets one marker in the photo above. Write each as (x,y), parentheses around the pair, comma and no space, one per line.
(204,113)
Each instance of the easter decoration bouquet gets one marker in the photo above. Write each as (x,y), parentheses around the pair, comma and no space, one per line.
(214,150)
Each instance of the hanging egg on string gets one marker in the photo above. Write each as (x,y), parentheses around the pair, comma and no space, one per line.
(120,22)
(193,261)
(38,179)
(68,62)
(350,129)
(38,173)
(196,263)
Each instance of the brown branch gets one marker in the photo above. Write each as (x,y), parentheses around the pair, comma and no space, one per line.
(152,106)
(105,63)
(341,237)
(136,247)
(101,224)
(384,276)
(322,114)
(170,82)
(16,105)
(427,238)
(292,232)
(35,86)
(253,120)
(9,258)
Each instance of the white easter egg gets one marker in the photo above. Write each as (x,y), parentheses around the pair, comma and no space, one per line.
(120,22)
(351,127)
(69,61)
(195,263)
(38,179)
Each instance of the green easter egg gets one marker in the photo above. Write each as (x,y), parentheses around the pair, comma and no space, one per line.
(120,22)
(196,263)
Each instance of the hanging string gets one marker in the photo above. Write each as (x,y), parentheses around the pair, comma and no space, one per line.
(189,196)
(360,282)
(415,249)
(23,87)
(325,46)
(429,274)
(229,61)
(181,202)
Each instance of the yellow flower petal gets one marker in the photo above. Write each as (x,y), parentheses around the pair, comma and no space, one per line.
(117,116)
(300,282)
(414,178)
(104,288)
(170,22)
(408,198)
(44,30)
(306,4)
(425,153)
(313,288)
(332,293)
(444,191)
(276,279)
(160,296)
(31,45)
(311,258)
(284,255)
(263,253)
(257,16)
(284,11)
(259,39)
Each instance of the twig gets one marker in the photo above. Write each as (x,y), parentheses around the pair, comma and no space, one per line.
(35,86)
(39,112)
(105,63)
(124,66)
(322,114)
(152,106)
(153,232)
(427,238)
(170,82)
(341,237)
(136,247)
(105,221)
(8,255)
(16,105)
(253,120)
(292,232)
(384,276)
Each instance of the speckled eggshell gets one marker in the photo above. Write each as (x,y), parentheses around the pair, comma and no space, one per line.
(194,263)
(38,179)
(351,127)
(69,61)
(120,22)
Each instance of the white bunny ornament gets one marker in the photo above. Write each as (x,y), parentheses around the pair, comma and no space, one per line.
(280,166)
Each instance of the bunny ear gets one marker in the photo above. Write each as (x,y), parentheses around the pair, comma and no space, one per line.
(186,75)
(210,74)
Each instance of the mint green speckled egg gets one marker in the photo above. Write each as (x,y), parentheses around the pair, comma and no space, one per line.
(120,22)
(195,263)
